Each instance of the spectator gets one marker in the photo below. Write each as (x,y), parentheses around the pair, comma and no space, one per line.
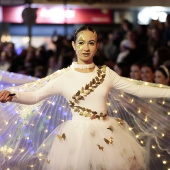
(161,55)
(147,73)
(162,75)
(135,71)
(4,61)
(122,69)
(53,65)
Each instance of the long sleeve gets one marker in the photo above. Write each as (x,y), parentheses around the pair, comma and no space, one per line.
(31,97)
(144,91)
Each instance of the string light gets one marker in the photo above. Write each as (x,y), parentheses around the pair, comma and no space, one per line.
(153,146)
(115,111)
(158,155)
(164,162)
(139,110)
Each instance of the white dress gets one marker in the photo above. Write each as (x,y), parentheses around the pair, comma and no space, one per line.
(91,140)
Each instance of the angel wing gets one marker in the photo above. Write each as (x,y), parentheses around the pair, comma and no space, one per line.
(23,128)
(149,119)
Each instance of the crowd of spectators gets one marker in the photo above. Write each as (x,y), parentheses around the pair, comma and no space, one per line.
(141,52)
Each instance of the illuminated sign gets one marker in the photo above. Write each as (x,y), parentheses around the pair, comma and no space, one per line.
(56,15)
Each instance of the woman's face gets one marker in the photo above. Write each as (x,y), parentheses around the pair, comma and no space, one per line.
(160,78)
(147,74)
(135,72)
(85,46)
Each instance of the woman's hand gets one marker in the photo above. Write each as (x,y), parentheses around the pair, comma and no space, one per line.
(5,96)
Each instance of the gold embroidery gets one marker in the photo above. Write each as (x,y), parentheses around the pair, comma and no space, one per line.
(81,94)
(100,147)
(110,128)
(94,83)
(109,141)
(48,161)
(60,137)
(120,121)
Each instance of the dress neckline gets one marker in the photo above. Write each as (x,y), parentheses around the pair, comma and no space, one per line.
(85,73)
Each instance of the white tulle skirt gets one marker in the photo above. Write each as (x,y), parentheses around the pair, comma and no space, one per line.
(84,144)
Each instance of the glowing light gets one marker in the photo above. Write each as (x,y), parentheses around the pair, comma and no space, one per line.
(156,13)
(137,136)
(9,157)
(150,101)
(163,102)
(5,38)
(115,111)
(46,131)
(164,162)
(142,142)
(132,100)
(158,155)
(139,110)
(153,146)
(40,154)
(21,150)
(6,122)
(130,128)
(155,127)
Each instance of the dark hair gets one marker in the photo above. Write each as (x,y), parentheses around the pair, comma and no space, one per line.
(125,68)
(149,65)
(139,64)
(82,28)
(163,54)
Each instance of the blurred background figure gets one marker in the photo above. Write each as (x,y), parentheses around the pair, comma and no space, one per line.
(147,72)
(162,75)
(4,61)
(53,65)
(135,71)
(122,69)
(160,56)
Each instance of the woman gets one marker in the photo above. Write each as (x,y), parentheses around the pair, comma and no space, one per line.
(162,75)
(135,71)
(147,72)
(91,140)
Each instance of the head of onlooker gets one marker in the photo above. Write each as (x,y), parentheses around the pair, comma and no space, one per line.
(122,69)
(161,55)
(147,73)
(135,71)
(162,75)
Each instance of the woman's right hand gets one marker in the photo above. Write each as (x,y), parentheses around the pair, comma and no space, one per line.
(5,96)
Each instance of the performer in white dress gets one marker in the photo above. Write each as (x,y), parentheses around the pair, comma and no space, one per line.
(91,140)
